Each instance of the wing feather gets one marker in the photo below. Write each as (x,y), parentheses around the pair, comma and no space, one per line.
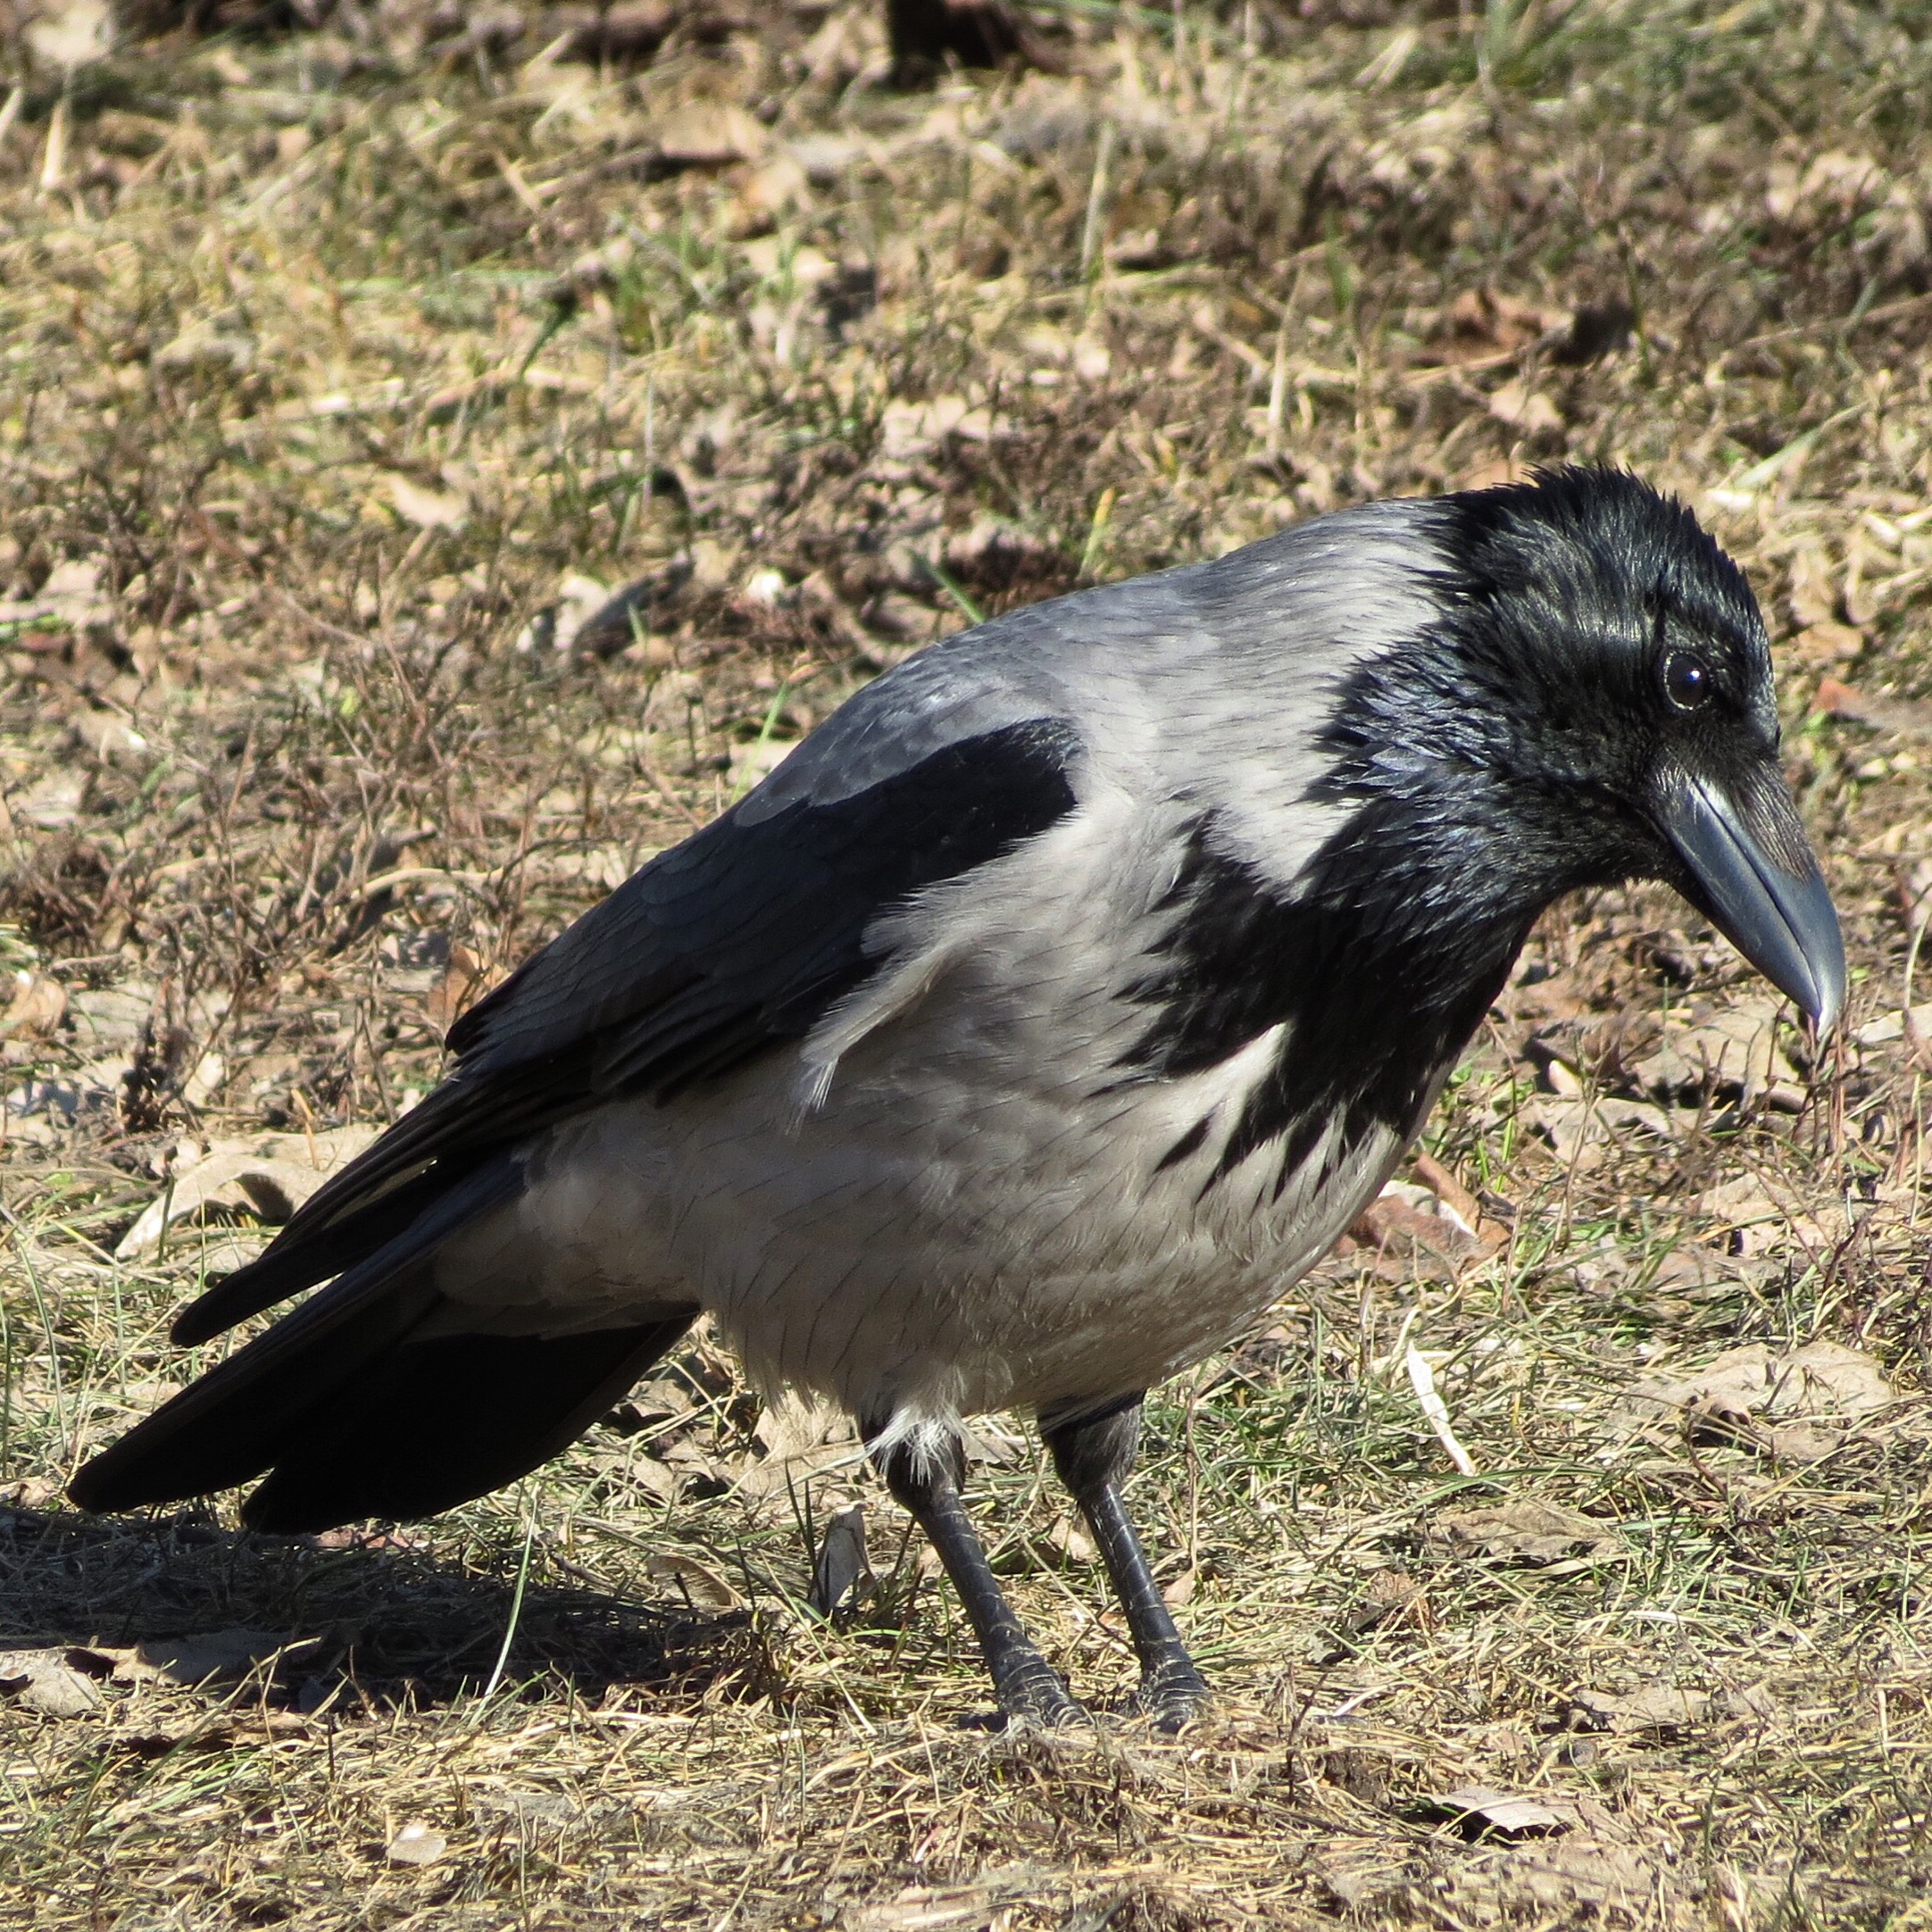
(720,950)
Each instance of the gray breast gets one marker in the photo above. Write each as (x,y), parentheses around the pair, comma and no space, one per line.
(950,1198)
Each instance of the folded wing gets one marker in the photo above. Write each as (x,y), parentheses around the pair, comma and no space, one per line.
(363,1402)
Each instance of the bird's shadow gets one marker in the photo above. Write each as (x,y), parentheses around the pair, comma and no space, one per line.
(390,1623)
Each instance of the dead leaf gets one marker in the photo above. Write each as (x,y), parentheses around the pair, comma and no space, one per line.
(1579,1879)
(801,1438)
(698,1583)
(1069,1544)
(265,1177)
(753,764)
(659,1400)
(1525,409)
(72,35)
(1800,1405)
(1891,1026)
(1652,1708)
(1478,1811)
(1492,472)
(1828,643)
(427,509)
(205,348)
(1455,1199)
(805,269)
(1906,716)
(53,800)
(842,1567)
(710,134)
(1510,1741)
(105,735)
(47,1681)
(655,1479)
(194,1659)
(1813,595)
(1529,1529)
(1729,1054)
(33,1493)
(993,555)
(769,189)
(1409,1225)
(909,431)
(38,1005)
(358,1538)
(1834,181)
(1481,323)
(71,597)
(1390,1593)
(988,1443)
(579,601)
(1761,1216)
(633,617)
(39,1110)
(416,1844)
(1693,1266)
(205,1080)
(1580,1129)
(464,980)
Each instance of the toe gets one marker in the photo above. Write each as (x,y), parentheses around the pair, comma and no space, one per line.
(1173,1698)
(1037,1700)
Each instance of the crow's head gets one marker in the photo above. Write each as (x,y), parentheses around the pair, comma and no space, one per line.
(1593,704)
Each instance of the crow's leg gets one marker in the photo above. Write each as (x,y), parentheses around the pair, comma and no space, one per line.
(1029,1688)
(1094,1453)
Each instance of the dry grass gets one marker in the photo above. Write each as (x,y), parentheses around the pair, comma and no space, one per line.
(329,355)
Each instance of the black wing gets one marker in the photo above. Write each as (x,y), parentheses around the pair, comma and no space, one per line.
(718,951)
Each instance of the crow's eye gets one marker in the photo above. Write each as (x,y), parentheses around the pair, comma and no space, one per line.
(1686,679)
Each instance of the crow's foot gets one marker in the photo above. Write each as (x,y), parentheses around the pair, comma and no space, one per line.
(1033,1698)
(1173,1695)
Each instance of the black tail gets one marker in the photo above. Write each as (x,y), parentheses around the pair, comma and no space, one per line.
(390,1192)
(369,1418)
(362,1402)
(435,1422)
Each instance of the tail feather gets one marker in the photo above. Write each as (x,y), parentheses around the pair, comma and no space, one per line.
(435,1422)
(362,1415)
(386,1236)
(362,1402)
(235,1421)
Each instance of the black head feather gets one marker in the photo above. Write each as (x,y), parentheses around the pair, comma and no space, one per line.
(1499,758)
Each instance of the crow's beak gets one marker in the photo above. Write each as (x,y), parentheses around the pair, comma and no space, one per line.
(1754,873)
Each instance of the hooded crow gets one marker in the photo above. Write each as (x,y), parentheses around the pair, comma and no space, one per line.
(1031,1028)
